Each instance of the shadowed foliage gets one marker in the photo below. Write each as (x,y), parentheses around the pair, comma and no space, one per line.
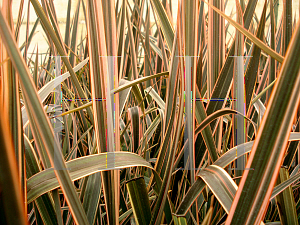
(143,111)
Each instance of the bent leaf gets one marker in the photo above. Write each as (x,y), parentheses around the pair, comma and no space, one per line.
(45,181)
(48,88)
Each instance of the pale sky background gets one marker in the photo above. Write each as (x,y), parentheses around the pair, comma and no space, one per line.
(61,11)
